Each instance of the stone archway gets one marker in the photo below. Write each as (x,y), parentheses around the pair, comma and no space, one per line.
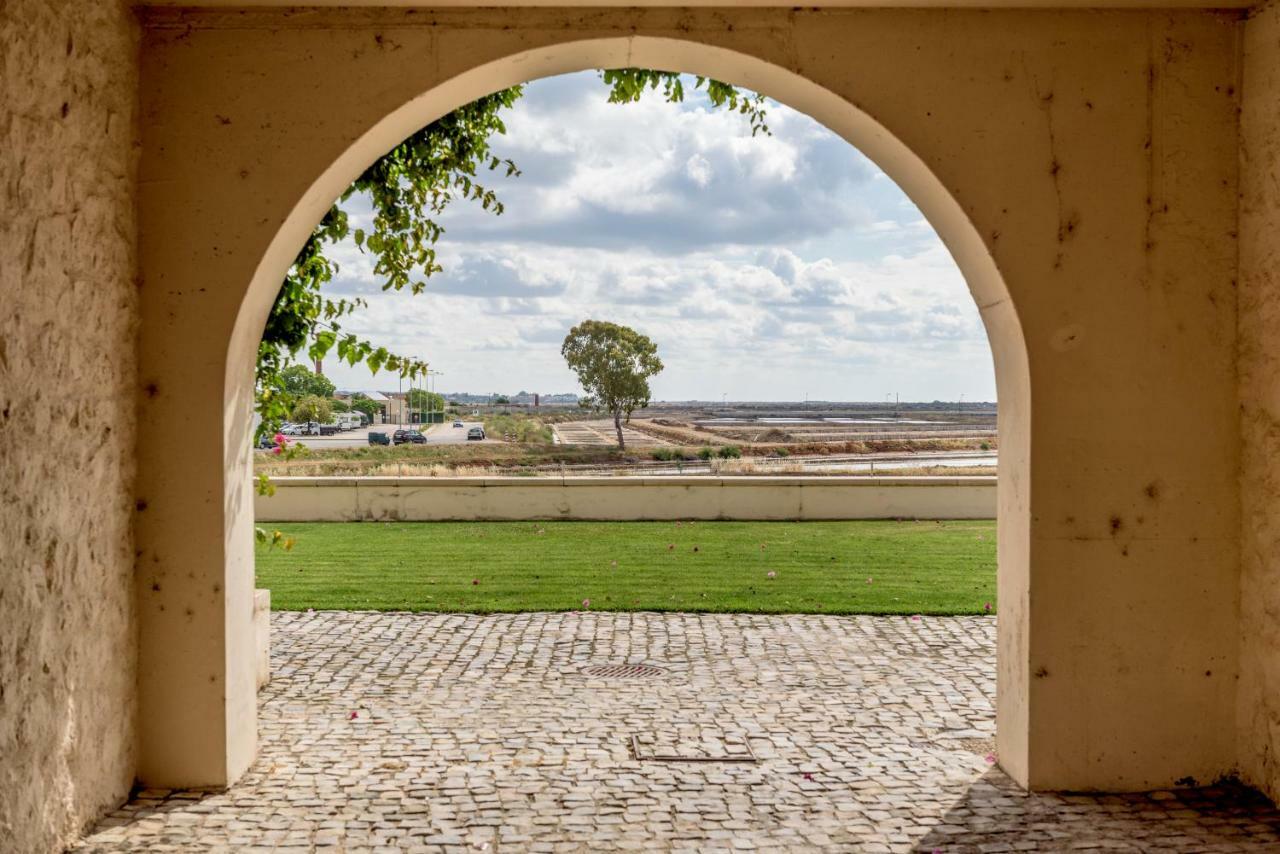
(248,139)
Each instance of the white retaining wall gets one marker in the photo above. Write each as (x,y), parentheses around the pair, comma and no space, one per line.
(421,499)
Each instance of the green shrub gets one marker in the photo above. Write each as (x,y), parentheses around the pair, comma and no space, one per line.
(730,452)
(781,452)
(986,446)
(664,454)
(706,453)
(517,427)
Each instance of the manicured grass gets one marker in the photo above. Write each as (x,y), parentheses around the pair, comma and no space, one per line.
(820,567)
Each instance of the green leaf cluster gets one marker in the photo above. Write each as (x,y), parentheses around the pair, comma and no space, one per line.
(628,85)
(421,400)
(300,381)
(613,364)
(312,408)
(367,406)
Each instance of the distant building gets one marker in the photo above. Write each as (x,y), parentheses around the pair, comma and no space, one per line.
(521,398)
(384,415)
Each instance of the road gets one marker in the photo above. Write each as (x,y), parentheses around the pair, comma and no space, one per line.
(437,434)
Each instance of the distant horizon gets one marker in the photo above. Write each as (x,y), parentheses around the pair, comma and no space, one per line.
(449,395)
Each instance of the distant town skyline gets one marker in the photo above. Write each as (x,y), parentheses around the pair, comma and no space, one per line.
(570,398)
(766,268)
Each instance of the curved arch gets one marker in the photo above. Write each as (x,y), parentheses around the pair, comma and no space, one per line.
(854,125)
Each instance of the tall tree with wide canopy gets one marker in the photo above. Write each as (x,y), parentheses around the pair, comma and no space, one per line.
(408,188)
(613,364)
(300,381)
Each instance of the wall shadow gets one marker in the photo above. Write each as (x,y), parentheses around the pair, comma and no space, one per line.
(994,814)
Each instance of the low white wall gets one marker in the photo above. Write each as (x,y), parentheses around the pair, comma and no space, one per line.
(421,499)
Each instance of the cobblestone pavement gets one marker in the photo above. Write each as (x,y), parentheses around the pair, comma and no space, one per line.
(482,733)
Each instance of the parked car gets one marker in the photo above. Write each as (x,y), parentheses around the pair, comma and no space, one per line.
(376,438)
(408,437)
(266,442)
(291,429)
(458,424)
(475,433)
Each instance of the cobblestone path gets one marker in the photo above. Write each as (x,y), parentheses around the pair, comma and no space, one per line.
(483,733)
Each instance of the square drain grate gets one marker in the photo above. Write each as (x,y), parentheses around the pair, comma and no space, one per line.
(623,671)
(723,750)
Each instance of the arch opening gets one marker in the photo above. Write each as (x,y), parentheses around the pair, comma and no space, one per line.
(861,130)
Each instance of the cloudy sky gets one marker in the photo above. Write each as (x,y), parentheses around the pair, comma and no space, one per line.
(765,268)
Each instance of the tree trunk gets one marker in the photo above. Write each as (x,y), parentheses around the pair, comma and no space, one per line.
(617,425)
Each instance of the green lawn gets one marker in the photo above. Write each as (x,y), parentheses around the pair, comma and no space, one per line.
(819,567)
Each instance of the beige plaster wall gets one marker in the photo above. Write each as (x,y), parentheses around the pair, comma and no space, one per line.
(1259,703)
(424,499)
(68,324)
(1087,161)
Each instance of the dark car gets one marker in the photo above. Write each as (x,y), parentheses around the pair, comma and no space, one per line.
(408,437)
(379,438)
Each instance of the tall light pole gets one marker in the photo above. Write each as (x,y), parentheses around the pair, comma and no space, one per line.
(431,379)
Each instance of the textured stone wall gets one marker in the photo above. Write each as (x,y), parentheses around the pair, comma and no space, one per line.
(68,309)
(1259,342)
(1082,166)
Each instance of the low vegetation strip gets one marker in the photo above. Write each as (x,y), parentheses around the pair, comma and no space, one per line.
(857,567)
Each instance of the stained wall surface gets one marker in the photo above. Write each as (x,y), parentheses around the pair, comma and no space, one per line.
(1096,154)
(1093,153)
(1260,404)
(68,324)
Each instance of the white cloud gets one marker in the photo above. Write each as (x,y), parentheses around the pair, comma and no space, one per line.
(765,268)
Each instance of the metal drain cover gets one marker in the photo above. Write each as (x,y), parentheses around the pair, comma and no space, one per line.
(722,750)
(622,671)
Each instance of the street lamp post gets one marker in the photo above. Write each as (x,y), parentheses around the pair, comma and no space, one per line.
(431,391)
